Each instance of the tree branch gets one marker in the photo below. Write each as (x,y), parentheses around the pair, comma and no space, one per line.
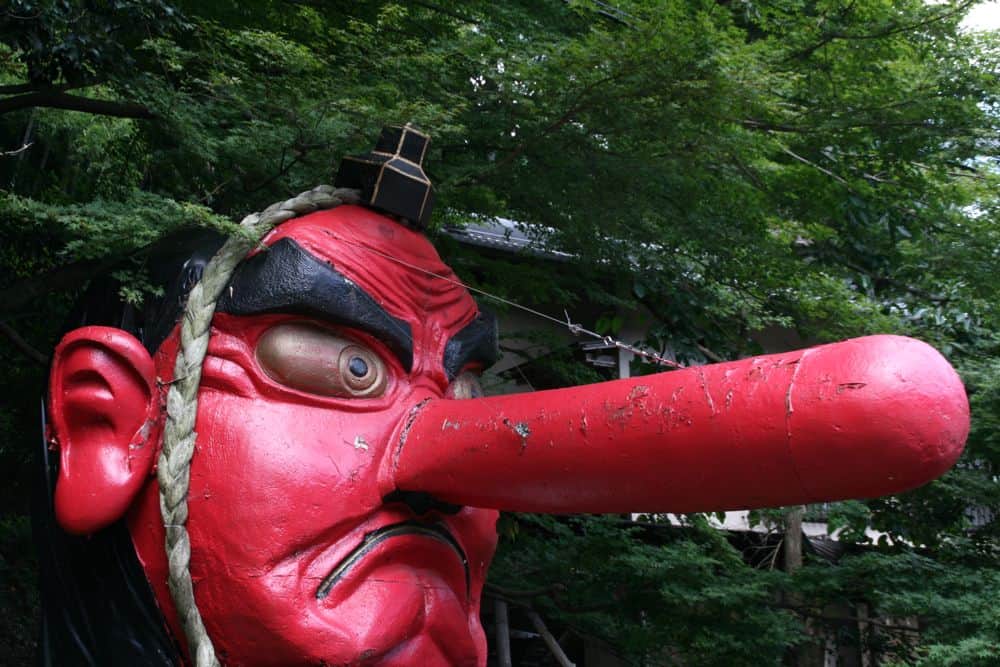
(18,151)
(708,353)
(581,104)
(67,277)
(442,10)
(806,611)
(549,640)
(54,99)
(23,346)
(29,87)
(840,179)
(876,278)
(17,88)
(301,150)
(755,124)
(529,593)
(523,146)
(891,29)
(610,12)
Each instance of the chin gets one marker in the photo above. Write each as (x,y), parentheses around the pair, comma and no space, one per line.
(358,636)
(394,610)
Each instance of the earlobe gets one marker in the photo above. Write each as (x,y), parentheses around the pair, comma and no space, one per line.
(104,410)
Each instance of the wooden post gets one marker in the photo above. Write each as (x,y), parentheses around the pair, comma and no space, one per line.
(793,539)
(503,634)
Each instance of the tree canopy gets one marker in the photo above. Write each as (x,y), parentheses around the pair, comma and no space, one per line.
(826,167)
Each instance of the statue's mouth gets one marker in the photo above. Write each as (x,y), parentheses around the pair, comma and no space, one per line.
(434,531)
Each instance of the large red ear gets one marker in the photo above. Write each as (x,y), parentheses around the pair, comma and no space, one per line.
(103,407)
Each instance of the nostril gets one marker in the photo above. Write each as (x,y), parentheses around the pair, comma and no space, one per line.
(421,503)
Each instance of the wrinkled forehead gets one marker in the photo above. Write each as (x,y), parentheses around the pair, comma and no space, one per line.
(353,266)
(395,265)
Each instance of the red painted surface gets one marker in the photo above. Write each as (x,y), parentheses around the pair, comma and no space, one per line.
(284,484)
(101,399)
(862,418)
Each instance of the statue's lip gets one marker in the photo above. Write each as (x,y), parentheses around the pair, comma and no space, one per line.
(434,531)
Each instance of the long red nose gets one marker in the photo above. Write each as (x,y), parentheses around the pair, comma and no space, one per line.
(857,419)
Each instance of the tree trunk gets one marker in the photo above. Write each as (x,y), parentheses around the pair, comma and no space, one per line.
(792,544)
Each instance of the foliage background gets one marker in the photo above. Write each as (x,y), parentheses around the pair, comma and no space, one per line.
(823,166)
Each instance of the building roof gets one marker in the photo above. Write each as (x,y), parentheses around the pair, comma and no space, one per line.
(508,236)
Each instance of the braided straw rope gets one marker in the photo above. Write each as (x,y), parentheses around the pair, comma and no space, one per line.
(174,466)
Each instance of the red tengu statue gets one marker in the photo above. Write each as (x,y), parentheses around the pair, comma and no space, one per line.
(298,460)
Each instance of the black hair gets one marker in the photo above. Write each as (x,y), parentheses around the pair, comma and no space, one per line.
(97,606)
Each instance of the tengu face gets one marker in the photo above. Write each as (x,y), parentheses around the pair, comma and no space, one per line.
(301,551)
(333,359)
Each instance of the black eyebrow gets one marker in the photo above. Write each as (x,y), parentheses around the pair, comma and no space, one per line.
(286,278)
(479,340)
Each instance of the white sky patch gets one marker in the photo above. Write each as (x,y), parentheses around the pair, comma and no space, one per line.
(983,17)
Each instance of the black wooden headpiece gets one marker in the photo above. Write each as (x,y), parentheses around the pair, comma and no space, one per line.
(391,177)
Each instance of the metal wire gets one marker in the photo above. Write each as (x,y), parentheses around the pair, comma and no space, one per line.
(575,329)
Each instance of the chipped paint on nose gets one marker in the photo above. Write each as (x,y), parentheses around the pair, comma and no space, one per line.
(861,418)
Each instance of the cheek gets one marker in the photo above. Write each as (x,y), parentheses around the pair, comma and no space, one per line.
(479,537)
(268,478)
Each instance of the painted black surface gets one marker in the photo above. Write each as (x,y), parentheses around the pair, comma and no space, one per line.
(287,279)
(391,178)
(478,341)
(435,531)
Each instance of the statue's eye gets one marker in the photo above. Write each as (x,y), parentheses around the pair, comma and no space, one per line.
(307,357)
(466,385)
(358,367)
